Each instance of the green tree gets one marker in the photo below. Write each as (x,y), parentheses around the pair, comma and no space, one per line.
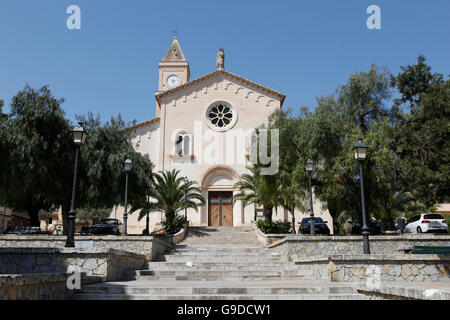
(423,141)
(102,173)
(255,188)
(3,116)
(327,136)
(93,215)
(170,194)
(37,153)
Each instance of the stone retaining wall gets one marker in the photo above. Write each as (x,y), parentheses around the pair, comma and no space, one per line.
(297,246)
(177,238)
(33,287)
(404,292)
(110,264)
(268,239)
(376,269)
(151,247)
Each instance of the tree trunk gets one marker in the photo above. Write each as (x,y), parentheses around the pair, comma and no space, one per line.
(267,211)
(33,213)
(387,224)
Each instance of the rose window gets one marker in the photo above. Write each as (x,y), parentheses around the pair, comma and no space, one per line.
(220,115)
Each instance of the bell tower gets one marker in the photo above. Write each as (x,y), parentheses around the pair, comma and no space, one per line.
(173,68)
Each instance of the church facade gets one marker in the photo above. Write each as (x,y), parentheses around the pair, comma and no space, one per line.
(202,128)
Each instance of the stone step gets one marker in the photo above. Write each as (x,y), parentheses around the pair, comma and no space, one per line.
(219,241)
(222,254)
(223,248)
(218,277)
(241,259)
(99,289)
(220,266)
(345,296)
(225,273)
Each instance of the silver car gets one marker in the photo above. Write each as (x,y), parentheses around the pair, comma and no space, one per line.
(427,222)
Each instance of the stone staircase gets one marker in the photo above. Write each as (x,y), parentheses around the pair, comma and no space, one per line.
(220,263)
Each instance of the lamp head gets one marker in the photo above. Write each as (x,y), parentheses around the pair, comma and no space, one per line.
(309,165)
(360,150)
(128,165)
(79,134)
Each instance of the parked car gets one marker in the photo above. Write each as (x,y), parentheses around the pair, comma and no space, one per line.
(320,226)
(428,222)
(24,230)
(103,227)
(374,226)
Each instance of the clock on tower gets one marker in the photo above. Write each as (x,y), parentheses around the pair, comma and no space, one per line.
(173,68)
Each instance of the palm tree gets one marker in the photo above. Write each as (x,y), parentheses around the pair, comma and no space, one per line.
(395,205)
(170,194)
(258,189)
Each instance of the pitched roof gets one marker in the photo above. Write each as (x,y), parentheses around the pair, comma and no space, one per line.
(174,54)
(212,74)
(143,124)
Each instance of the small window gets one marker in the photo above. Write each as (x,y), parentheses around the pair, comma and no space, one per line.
(433,216)
(183,144)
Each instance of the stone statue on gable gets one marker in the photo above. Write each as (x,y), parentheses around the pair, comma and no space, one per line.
(220,61)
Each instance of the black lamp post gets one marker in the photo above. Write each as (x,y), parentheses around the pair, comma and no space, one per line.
(128,166)
(79,135)
(309,169)
(360,150)
(293,220)
(147,223)
(186,180)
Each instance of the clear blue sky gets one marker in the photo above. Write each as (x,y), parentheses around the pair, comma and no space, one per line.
(304,49)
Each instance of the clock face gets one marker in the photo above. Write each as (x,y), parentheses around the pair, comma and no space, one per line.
(173,81)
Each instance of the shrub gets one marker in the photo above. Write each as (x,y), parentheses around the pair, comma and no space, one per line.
(274,227)
(172,227)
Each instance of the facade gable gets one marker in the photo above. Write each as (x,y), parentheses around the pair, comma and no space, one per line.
(221,81)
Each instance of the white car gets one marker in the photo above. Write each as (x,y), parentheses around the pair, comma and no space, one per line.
(428,222)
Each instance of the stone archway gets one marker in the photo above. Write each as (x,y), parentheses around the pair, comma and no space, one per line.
(217,188)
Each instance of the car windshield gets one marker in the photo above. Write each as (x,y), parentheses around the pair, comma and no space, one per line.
(306,220)
(433,216)
(108,221)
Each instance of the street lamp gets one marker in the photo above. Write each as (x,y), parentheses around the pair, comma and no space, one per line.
(186,180)
(79,135)
(360,151)
(309,169)
(128,166)
(293,220)
(147,224)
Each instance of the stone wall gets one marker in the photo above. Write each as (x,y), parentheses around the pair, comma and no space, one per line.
(268,239)
(297,246)
(376,269)
(177,238)
(404,292)
(151,247)
(109,265)
(33,287)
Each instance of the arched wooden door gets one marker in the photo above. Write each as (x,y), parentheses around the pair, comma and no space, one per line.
(220,208)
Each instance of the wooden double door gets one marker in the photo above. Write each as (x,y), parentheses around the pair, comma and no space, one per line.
(220,208)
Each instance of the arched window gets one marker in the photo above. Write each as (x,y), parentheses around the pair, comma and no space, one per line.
(183,144)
